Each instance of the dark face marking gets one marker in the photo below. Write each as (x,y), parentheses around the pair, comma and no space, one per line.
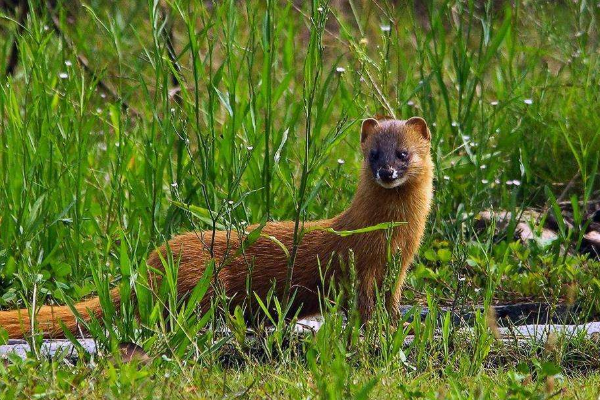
(388,159)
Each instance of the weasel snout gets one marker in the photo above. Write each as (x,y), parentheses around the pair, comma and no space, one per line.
(390,177)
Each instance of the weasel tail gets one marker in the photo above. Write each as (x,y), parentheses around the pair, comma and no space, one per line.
(50,320)
(395,185)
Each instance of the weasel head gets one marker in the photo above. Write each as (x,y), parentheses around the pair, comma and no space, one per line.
(395,151)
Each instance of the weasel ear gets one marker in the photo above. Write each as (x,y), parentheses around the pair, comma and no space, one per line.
(420,126)
(368,127)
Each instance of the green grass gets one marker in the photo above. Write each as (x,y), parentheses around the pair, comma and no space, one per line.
(265,127)
(131,381)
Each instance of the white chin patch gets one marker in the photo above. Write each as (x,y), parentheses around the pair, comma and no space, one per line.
(390,185)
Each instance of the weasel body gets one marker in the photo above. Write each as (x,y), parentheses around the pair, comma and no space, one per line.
(395,186)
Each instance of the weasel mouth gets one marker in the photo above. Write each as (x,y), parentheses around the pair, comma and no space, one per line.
(390,184)
(389,178)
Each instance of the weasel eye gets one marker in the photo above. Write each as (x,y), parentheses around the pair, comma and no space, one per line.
(402,155)
(374,155)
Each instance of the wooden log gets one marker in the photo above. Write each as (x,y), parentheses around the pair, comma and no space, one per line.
(512,314)
(55,348)
(521,336)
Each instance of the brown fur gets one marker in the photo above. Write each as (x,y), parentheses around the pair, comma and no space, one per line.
(372,204)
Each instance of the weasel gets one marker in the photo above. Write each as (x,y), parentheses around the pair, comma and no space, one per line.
(396,184)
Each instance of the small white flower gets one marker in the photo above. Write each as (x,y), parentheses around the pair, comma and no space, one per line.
(483,166)
(63,75)
(485,181)
(454,124)
(386,28)
(320,9)
(446,178)
(103,95)
(340,161)
(509,183)
(528,101)
(340,70)
(497,181)
(68,63)
(230,202)
(516,182)
(411,103)
(174,184)
(494,103)
(249,148)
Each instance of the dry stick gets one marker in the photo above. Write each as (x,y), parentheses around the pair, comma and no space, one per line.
(86,66)
(568,187)
(13,59)
(559,198)
(169,39)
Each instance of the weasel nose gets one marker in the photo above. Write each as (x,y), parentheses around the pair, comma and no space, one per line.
(388,174)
